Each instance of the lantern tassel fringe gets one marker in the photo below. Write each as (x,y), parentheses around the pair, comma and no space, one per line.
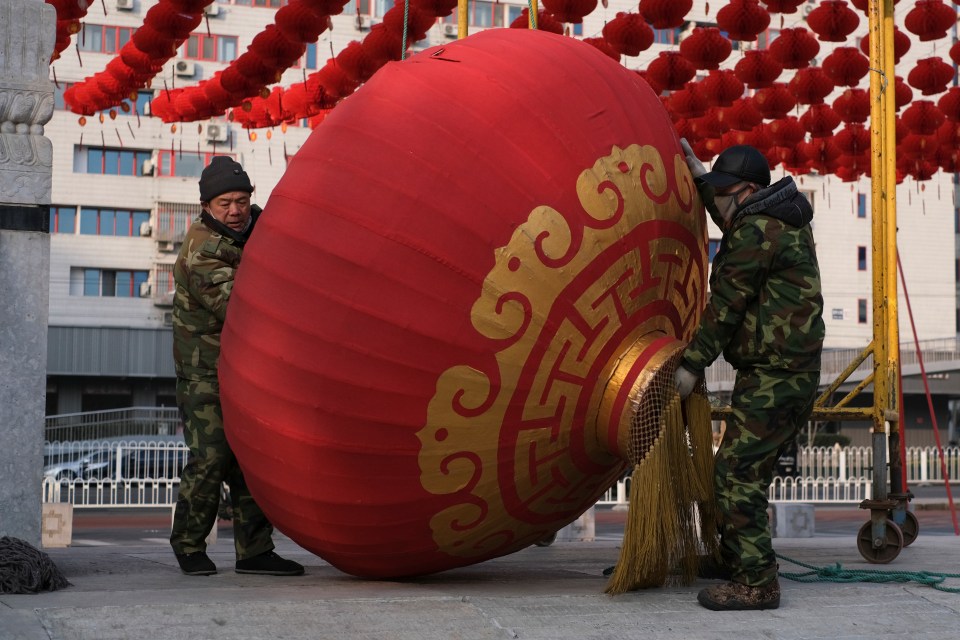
(672,518)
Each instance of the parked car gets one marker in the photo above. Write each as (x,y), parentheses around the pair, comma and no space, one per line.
(79,466)
(143,464)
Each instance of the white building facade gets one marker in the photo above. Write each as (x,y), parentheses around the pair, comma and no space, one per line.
(125,190)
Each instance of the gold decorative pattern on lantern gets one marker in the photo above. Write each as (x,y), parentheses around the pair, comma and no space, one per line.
(569,299)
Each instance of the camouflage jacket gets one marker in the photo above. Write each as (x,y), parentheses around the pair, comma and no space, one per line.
(765,308)
(203,275)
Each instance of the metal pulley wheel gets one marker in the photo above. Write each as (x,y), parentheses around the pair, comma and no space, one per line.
(886,549)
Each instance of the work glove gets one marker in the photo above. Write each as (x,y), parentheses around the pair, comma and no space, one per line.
(685,381)
(693,163)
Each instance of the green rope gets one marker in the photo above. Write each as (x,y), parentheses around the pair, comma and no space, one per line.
(533,14)
(406,22)
(839,574)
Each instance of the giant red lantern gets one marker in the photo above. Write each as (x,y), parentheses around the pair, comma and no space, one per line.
(432,372)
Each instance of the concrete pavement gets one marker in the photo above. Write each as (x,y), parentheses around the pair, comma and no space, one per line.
(548,593)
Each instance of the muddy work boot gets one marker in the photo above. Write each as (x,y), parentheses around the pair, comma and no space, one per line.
(734,596)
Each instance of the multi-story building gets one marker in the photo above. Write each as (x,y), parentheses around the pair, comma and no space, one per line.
(125,190)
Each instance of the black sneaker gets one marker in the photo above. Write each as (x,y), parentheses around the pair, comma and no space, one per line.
(269,564)
(196,564)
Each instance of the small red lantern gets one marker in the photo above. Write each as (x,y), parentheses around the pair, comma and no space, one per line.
(710,125)
(545,22)
(949,104)
(853,139)
(930,76)
(795,48)
(853,106)
(901,44)
(822,154)
(688,102)
(955,53)
(846,66)
(919,147)
(923,117)
(356,63)
(665,14)
(785,132)
(602,45)
(792,158)
(742,115)
(820,120)
(722,87)
(833,20)
(758,69)
(706,48)
(904,94)
(774,101)
(783,6)
(628,34)
(949,134)
(569,10)
(743,19)
(671,70)
(811,85)
(930,19)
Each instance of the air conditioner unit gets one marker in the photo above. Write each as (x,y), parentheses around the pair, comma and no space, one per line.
(147,168)
(212,10)
(450,30)
(145,229)
(146,109)
(165,245)
(125,5)
(364,23)
(217,132)
(185,68)
(145,289)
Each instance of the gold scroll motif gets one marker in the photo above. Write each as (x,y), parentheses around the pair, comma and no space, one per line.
(513,441)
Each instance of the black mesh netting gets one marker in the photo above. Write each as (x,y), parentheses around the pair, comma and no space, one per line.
(25,569)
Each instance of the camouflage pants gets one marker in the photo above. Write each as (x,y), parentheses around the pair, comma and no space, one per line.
(769,408)
(211,462)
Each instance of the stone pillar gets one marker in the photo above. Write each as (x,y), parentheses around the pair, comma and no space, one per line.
(27,32)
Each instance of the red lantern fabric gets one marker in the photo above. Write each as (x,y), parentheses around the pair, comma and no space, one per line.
(706,48)
(710,125)
(743,19)
(919,147)
(569,10)
(846,66)
(853,106)
(427,414)
(665,14)
(689,102)
(901,44)
(785,132)
(820,120)
(671,70)
(722,87)
(792,158)
(300,24)
(775,101)
(821,154)
(652,82)
(930,19)
(833,20)
(811,85)
(949,104)
(603,46)
(545,22)
(930,75)
(923,117)
(794,48)
(904,94)
(742,115)
(758,68)
(628,34)
(955,52)
(853,139)
(783,6)
(356,63)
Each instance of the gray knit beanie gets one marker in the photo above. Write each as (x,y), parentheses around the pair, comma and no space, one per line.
(222,175)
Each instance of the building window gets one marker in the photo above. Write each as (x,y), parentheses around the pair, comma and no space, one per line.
(184,165)
(111,222)
(861,258)
(106,283)
(109,161)
(273,4)
(58,89)
(201,46)
(766,37)
(712,248)
(309,60)
(63,219)
(862,310)
(861,205)
(98,38)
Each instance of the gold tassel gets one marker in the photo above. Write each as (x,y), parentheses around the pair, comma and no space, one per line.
(673,479)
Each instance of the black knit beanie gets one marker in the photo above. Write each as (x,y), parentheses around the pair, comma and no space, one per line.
(222,175)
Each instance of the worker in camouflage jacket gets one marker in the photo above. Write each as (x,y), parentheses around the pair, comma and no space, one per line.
(764,314)
(204,274)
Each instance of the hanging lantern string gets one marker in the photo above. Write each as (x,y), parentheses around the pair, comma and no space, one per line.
(406,27)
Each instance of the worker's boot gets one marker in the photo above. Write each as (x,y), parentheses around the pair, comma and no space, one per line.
(734,596)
